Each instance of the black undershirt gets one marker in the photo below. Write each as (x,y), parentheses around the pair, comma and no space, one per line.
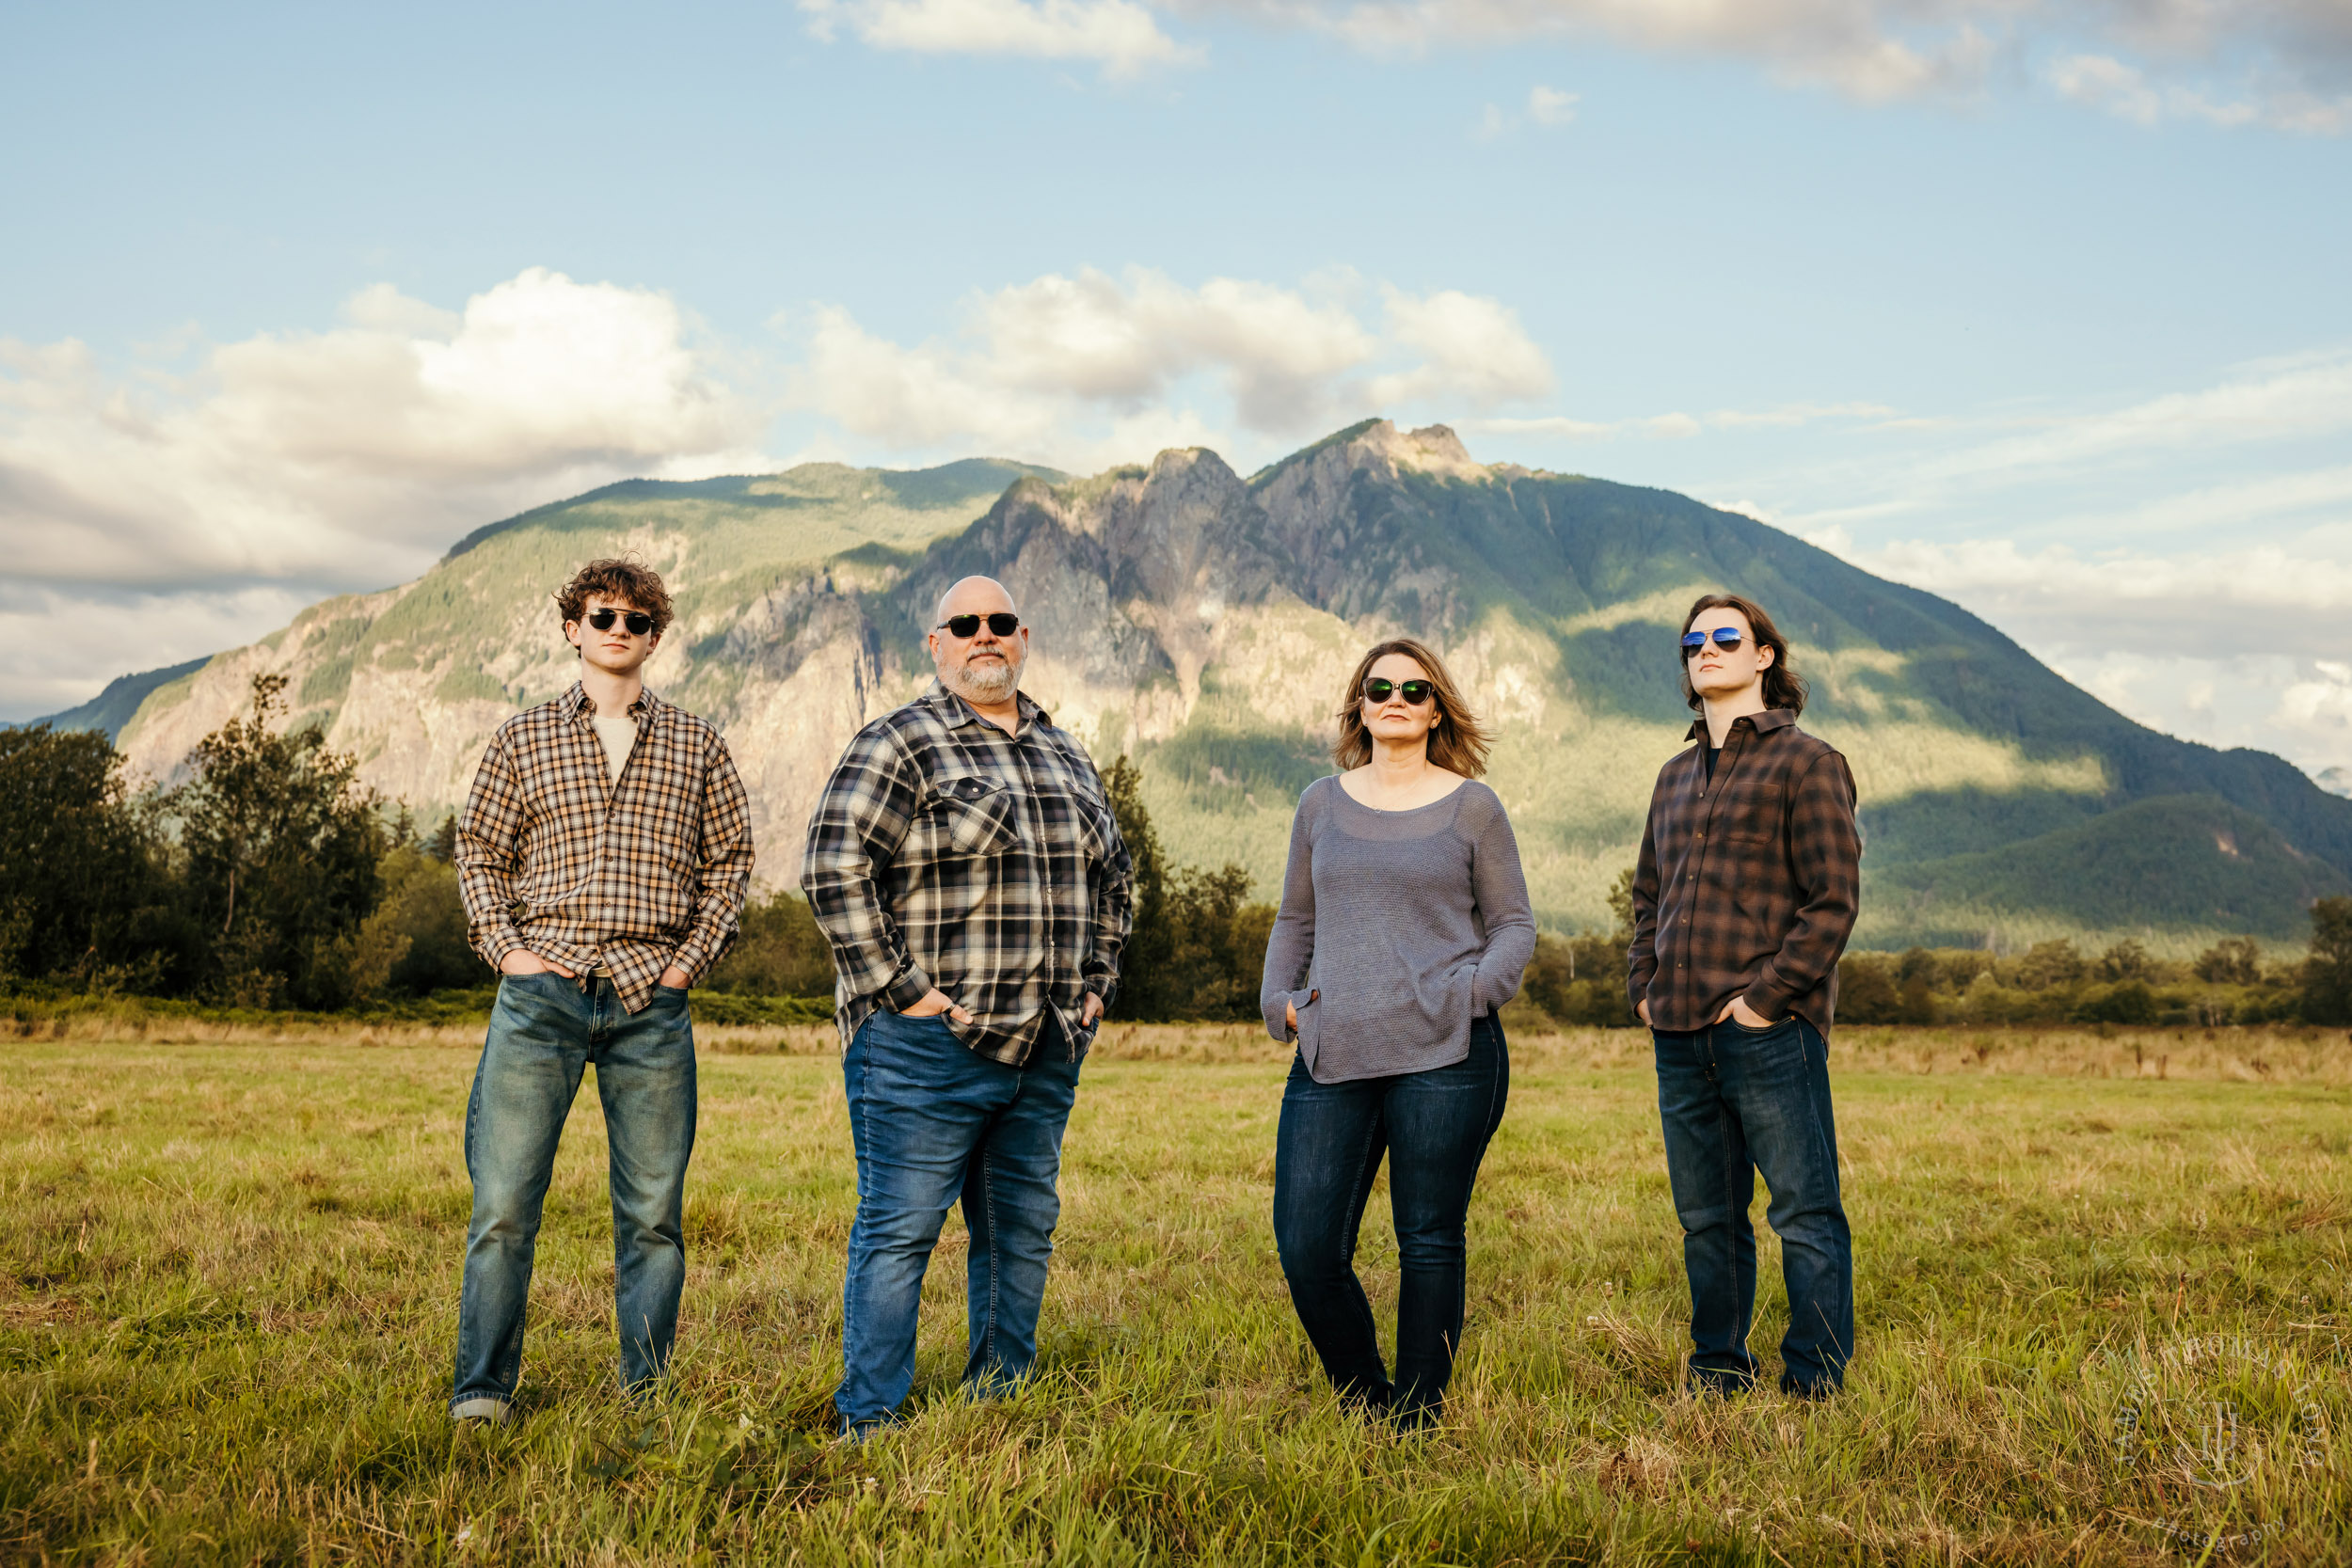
(1712,752)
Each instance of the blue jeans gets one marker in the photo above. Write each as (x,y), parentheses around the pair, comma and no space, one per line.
(542,1032)
(1734,1101)
(933,1123)
(1326,1152)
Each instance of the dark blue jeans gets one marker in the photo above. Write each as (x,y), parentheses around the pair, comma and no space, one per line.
(1437,1124)
(935,1123)
(1734,1101)
(544,1031)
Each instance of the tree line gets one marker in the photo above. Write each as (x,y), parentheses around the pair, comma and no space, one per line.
(274,877)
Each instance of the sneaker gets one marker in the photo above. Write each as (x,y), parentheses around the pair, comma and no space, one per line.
(493,1412)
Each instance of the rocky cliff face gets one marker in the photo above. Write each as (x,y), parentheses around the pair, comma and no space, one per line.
(1204,623)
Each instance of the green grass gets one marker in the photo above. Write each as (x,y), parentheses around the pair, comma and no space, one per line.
(230,1269)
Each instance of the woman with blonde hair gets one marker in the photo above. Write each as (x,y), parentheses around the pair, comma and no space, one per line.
(1404,928)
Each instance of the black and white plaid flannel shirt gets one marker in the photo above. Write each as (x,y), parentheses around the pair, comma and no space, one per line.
(944,853)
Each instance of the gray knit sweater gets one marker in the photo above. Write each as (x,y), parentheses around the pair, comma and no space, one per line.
(1409,923)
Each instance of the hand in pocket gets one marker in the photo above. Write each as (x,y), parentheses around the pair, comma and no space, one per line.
(935,1002)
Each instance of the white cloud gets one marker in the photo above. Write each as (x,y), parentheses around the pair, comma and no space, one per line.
(1549,106)
(2287,63)
(349,455)
(1085,368)
(1677,425)
(1121,35)
(65,642)
(1546,106)
(1474,351)
(2231,646)
(1845,44)
(2248,600)
(2125,91)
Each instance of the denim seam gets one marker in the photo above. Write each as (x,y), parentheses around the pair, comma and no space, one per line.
(1365,1175)
(995,1276)
(1730,1183)
(864,1134)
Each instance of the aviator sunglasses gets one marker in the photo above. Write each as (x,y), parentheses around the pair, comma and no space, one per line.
(639,622)
(1415,692)
(1726,638)
(1003,624)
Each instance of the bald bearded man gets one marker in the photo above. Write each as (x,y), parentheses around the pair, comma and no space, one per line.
(965,867)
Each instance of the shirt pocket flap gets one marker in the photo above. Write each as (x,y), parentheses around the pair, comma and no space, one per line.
(978,814)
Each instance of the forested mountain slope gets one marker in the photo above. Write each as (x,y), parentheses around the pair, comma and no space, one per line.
(1201,621)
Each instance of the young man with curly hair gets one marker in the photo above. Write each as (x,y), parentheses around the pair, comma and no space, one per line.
(603,855)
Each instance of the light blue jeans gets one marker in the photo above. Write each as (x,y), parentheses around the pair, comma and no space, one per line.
(544,1031)
(935,1123)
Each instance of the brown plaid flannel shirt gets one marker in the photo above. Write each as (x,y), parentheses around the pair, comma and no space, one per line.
(634,875)
(1747,884)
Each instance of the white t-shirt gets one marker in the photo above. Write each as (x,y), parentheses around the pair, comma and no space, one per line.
(618,733)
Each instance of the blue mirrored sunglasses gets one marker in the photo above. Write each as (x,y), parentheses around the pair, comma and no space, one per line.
(1726,638)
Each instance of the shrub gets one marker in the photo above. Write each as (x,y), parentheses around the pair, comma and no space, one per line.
(1866,990)
(2327,972)
(2049,965)
(2233,961)
(2129,1002)
(779,951)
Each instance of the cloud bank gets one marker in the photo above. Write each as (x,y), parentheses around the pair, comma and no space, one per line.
(1088,370)
(327,456)
(1122,37)
(2284,64)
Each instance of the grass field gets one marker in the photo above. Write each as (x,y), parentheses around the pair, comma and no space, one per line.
(2103,1316)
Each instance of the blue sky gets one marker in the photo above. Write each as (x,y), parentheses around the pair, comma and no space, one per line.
(2042,306)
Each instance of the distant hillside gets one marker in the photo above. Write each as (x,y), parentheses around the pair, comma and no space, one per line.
(1202,621)
(112,709)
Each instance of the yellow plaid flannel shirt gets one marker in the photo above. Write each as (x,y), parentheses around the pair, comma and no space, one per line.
(633,875)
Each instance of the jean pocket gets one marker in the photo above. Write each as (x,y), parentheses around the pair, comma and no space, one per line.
(1758,1033)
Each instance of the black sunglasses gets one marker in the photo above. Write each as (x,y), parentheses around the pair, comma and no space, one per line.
(638,621)
(1003,624)
(1726,638)
(1415,692)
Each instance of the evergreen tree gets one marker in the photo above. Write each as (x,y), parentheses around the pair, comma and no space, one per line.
(281,844)
(81,882)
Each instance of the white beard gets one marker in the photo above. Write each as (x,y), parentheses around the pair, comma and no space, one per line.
(986,682)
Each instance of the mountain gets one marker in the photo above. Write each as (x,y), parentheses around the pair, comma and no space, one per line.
(112,709)
(1202,623)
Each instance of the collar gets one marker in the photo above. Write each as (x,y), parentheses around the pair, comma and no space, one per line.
(955,712)
(575,702)
(1763,723)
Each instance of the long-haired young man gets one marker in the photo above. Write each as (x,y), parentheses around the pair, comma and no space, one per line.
(603,855)
(1746,891)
